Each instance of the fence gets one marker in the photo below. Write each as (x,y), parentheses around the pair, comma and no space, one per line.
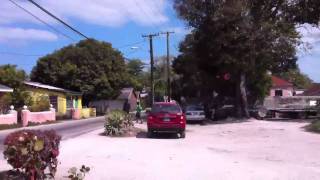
(37,117)
(11,118)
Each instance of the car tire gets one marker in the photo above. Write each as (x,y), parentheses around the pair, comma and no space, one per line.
(182,134)
(149,134)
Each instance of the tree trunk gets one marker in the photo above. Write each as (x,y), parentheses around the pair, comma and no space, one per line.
(243,94)
(238,100)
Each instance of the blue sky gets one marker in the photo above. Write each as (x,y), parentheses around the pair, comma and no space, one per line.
(23,39)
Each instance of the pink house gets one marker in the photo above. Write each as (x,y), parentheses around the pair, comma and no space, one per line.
(281,87)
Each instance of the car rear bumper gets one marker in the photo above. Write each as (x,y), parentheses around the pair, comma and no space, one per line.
(195,118)
(166,128)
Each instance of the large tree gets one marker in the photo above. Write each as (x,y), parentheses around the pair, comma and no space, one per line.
(14,78)
(90,66)
(246,38)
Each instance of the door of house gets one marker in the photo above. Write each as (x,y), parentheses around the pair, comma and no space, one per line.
(54,101)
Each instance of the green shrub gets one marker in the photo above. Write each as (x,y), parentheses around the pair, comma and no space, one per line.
(75,175)
(5,101)
(117,121)
(42,103)
(314,126)
(33,152)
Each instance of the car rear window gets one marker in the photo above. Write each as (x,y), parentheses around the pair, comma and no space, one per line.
(194,108)
(165,108)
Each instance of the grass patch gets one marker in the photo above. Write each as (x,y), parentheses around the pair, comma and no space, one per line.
(314,126)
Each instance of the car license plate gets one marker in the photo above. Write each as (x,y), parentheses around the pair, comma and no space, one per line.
(166,119)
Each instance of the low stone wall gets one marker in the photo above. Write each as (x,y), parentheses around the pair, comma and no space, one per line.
(11,118)
(37,117)
(88,112)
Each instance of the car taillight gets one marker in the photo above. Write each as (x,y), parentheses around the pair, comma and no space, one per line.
(150,118)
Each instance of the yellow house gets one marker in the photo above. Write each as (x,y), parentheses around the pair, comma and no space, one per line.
(62,100)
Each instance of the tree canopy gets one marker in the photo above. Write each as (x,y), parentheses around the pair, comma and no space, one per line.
(242,39)
(14,78)
(90,66)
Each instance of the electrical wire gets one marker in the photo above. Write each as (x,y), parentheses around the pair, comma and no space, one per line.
(42,21)
(55,17)
(20,54)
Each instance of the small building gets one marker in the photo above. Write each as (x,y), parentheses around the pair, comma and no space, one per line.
(281,87)
(126,95)
(63,100)
(4,89)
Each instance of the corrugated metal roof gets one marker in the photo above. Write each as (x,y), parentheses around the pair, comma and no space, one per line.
(45,86)
(125,93)
(278,82)
(4,88)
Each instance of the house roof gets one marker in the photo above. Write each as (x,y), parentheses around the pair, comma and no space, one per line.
(52,88)
(126,93)
(278,82)
(313,91)
(4,88)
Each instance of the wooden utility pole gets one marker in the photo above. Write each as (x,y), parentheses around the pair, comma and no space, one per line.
(168,66)
(150,36)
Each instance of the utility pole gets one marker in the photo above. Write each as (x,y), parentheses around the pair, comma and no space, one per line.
(150,36)
(168,66)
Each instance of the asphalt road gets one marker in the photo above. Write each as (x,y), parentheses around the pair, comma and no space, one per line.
(66,129)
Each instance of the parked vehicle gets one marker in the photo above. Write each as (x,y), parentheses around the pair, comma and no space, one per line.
(195,113)
(166,117)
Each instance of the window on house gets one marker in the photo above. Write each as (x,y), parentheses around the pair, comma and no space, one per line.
(69,102)
(278,93)
(54,101)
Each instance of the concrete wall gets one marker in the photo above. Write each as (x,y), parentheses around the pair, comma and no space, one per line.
(11,118)
(103,106)
(88,112)
(37,117)
(286,92)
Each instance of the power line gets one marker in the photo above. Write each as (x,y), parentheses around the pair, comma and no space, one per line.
(42,21)
(55,17)
(131,44)
(20,54)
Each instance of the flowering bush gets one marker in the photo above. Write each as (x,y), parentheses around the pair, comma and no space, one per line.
(33,152)
(117,121)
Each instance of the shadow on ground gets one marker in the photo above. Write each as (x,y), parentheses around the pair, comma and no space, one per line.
(12,175)
(143,134)
(224,121)
(290,120)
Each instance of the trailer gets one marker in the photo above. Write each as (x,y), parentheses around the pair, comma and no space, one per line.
(289,107)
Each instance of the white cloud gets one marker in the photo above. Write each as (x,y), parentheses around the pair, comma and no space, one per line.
(310,34)
(20,35)
(98,12)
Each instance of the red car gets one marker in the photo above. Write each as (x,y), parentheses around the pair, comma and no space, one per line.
(166,117)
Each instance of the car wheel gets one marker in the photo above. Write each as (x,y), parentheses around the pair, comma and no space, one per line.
(183,134)
(149,134)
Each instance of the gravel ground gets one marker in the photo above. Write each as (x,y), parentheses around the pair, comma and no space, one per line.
(252,150)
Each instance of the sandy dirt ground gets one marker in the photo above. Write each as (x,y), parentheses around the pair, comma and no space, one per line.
(252,150)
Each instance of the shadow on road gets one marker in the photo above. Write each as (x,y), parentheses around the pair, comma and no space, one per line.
(143,134)
(290,120)
(224,121)
(12,175)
